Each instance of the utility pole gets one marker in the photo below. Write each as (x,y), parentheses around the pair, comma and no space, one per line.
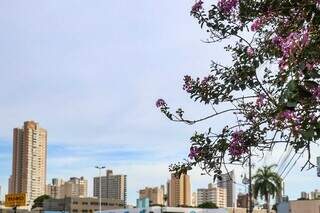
(100,167)
(250,184)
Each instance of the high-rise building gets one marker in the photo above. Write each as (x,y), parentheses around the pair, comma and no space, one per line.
(155,195)
(112,186)
(304,195)
(194,199)
(75,187)
(227,181)
(213,194)
(179,191)
(29,161)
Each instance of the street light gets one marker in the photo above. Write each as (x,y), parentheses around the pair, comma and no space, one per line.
(100,167)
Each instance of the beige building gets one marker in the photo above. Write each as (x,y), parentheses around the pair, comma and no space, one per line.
(81,205)
(179,191)
(217,195)
(112,186)
(227,182)
(194,199)
(75,187)
(29,161)
(299,206)
(155,195)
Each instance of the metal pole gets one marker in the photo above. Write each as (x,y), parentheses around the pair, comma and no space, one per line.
(100,190)
(250,183)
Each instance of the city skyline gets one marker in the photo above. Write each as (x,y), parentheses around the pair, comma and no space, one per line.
(93,85)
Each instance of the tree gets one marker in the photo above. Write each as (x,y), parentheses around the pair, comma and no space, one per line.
(208,205)
(267,183)
(270,87)
(38,202)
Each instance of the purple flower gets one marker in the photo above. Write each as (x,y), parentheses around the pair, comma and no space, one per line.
(257,24)
(250,51)
(160,103)
(194,152)
(237,145)
(226,6)
(261,100)
(187,86)
(316,92)
(197,6)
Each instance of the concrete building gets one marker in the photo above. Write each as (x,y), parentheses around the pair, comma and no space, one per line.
(29,161)
(305,195)
(81,205)
(299,206)
(194,199)
(227,182)
(112,186)
(157,209)
(217,195)
(154,194)
(179,191)
(75,187)
(143,203)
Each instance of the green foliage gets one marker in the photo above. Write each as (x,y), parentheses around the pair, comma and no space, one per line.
(208,205)
(38,202)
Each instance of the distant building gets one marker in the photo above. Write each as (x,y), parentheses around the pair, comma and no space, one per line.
(217,195)
(179,191)
(29,161)
(305,195)
(75,187)
(315,194)
(81,205)
(194,199)
(242,200)
(155,195)
(299,206)
(168,210)
(143,203)
(112,186)
(227,182)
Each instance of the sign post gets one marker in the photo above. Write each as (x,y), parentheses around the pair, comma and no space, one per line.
(15,200)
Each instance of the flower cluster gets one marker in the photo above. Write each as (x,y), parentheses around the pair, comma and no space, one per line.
(250,51)
(227,6)
(291,44)
(197,6)
(257,24)
(316,92)
(187,86)
(261,100)
(290,118)
(194,152)
(237,146)
(160,103)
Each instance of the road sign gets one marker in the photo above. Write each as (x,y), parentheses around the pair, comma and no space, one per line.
(13,200)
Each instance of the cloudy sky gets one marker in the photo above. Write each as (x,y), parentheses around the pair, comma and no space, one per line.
(90,72)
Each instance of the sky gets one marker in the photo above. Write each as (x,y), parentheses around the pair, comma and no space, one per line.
(90,72)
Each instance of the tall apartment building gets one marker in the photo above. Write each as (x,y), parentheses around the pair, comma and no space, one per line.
(112,186)
(217,195)
(29,161)
(155,195)
(194,199)
(75,187)
(227,182)
(179,191)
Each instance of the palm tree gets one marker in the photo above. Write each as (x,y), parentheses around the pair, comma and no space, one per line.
(267,182)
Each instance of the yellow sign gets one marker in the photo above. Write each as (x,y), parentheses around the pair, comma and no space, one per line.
(13,200)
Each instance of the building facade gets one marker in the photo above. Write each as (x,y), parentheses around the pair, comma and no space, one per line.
(29,161)
(112,186)
(75,187)
(227,182)
(217,195)
(81,205)
(179,191)
(194,199)
(155,195)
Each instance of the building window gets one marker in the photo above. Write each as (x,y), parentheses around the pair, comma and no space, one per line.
(84,203)
(74,210)
(75,202)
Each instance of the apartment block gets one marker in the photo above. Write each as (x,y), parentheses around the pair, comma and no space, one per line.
(29,161)
(179,191)
(227,182)
(155,195)
(112,186)
(217,195)
(75,187)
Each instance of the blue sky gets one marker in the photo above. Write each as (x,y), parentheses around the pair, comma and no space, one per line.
(90,72)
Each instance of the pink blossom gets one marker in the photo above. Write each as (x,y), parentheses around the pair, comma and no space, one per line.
(237,145)
(197,6)
(257,24)
(187,86)
(316,92)
(194,152)
(160,103)
(310,66)
(226,6)
(250,51)
(261,100)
